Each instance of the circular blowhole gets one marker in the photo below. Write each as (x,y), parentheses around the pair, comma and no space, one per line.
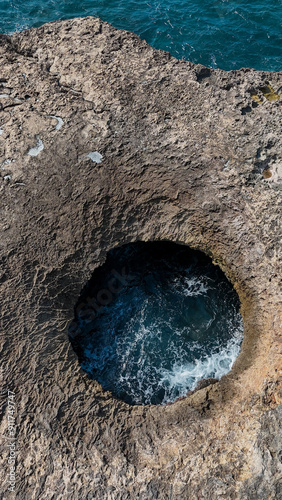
(154,320)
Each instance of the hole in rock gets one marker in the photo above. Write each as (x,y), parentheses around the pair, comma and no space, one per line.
(246,110)
(154,320)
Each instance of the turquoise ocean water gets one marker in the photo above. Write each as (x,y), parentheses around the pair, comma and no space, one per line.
(228,34)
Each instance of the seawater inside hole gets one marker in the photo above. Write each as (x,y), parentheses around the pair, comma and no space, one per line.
(154,320)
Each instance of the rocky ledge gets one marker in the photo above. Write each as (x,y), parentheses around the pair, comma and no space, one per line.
(104,141)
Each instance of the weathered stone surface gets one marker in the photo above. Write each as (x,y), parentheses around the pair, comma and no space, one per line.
(181,153)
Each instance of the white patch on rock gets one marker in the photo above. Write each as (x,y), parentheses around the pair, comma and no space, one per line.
(275,173)
(95,156)
(7,177)
(60,121)
(37,149)
(1,131)
(5,162)
(4,96)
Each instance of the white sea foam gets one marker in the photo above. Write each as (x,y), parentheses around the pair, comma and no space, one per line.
(191,287)
(184,377)
(37,149)
(195,286)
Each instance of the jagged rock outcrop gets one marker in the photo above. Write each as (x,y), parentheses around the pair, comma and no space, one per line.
(103,141)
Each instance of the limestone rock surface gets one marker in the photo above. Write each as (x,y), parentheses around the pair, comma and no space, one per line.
(105,141)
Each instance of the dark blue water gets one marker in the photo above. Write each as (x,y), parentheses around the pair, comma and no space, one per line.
(228,34)
(155,319)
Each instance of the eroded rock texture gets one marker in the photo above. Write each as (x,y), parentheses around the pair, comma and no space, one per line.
(143,147)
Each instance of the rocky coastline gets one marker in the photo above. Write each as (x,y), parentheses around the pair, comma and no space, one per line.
(104,141)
